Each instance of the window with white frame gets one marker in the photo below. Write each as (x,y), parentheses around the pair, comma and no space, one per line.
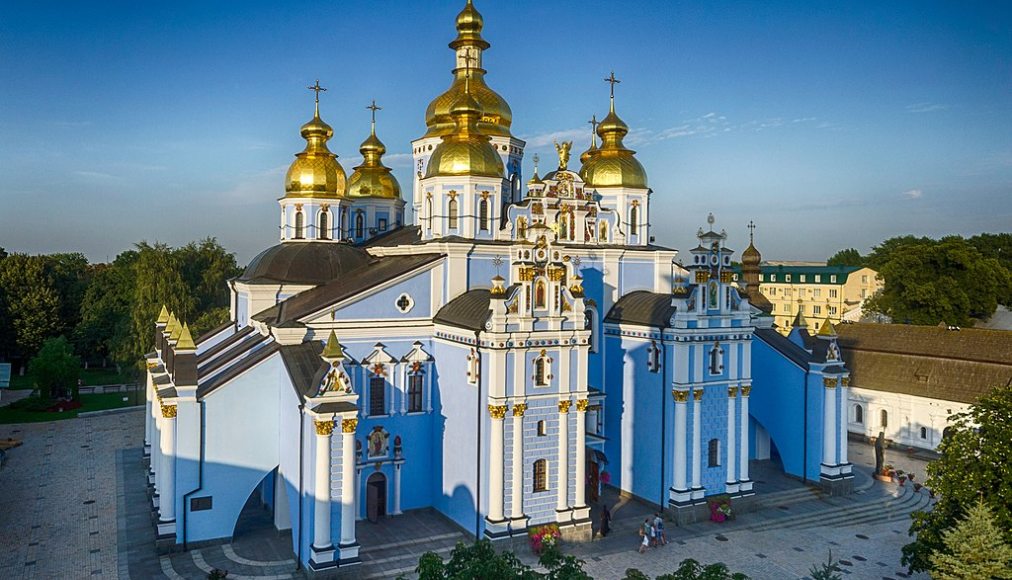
(716,359)
(542,370)
(416,382)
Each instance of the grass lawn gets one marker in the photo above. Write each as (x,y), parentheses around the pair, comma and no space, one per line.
(91,377)
(89,403)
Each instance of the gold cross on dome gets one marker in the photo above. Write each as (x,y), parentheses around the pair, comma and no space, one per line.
(613,81)
(751,230)
(593,122)
(316,88)
(374,107)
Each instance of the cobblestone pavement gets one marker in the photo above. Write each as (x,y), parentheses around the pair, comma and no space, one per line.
(58,497)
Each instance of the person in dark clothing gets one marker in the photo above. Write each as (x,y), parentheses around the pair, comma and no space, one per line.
(605,520)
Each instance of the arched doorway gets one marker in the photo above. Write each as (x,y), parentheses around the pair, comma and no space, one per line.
(376,497)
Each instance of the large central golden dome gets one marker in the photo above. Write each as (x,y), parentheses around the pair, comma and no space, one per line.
(315,171)
(465,151)
(495,114)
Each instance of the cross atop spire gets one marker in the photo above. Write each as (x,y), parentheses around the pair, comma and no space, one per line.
(316,88)
(536,159)
(374,107)
(751,230)
(610,79)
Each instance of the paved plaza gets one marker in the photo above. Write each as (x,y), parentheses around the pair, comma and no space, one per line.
(73,504)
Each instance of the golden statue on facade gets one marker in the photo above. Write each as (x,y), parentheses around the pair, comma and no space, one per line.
(563,149)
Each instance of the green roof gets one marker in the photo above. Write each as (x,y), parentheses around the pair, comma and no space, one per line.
(825,273)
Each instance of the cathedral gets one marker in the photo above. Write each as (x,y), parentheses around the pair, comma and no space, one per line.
(519,347)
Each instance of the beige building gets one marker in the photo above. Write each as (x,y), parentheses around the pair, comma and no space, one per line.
(816,292)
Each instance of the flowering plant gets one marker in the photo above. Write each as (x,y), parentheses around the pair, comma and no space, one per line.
(544,537)
(720,508)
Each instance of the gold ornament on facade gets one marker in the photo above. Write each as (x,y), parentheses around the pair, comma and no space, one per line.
(519,409)
(563,150)
(324,427)
(349,425)
(679,396)
(746,390)
(582,404)
(556,273)
(526,274)
(845,381)
(702,276)
(152,366)
(697,394)
(564,406)
(498,412)
(732,392)
(726,276)
(169,411)
(829,382)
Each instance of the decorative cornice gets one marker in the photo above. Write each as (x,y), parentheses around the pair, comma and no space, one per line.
(582,404)
(746,390)
(498,412)
(697,394)
(324,427)
(564,406)
(519,409)
(349,425)
(829,382)
(169,411)
(679,396)
(732,392)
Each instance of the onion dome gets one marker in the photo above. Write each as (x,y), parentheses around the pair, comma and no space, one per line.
(751,256)
(466,151)
(372,178)
(315,171)
(613,165)
(496,116)
(592,150)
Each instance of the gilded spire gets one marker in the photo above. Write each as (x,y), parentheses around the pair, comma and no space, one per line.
(170,326)
(163,316)
(177,331)
(372,178)
(333,350)
(827,328)
(315,171)
(185,341)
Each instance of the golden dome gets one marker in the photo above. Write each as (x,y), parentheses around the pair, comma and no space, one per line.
(751,256)
(372,178)
(469,25)
(466,151)
(315,171)
(612,165)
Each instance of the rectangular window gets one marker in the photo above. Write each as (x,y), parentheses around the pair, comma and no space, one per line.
(818,277)
(864,279)
(817,293)
(787,277)
(199,504)
(773,277)
(832,292)
(801,277)
(713,453)
(832,279)
(541,475)
(415,393)
(377,396)
(832,310)
(816,310)
(382,224)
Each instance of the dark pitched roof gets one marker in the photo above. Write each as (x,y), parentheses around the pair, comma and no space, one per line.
(210,384)
(215,331)
(927,361)
(304,365)
(470,310)
(399,237)
(643,308)
(335,407)
(784,346)
(304,263)
(376,272)
(224,345)
(238,349)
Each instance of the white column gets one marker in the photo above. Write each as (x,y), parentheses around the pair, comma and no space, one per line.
(397,489)
(844,409)
(680,443)
(731,459)
(697,431)
(829,421)
(167,464)
(348,481)
(743,451)
(321,503)
(496,459)
(581,453)
(563,469)
(517,465)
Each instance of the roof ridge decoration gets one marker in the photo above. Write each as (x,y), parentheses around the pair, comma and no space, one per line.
(333,350)
(163,316)
(827,328)
(185,341)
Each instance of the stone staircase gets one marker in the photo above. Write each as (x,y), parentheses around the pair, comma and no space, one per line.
(401,558)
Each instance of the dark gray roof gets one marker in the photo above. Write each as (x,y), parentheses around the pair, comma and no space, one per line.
(399,237)
(371,274)
(304,263)
(237,369)
(237,349)
(470,310)
(304,365)
(643,308)
(225,344)
(335,407)
(412,235)
(214,331)
(784,346)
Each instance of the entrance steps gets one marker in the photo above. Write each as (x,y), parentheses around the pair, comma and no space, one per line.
(849,511)
(395,559)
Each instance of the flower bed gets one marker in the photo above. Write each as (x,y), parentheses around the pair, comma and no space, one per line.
(720,508)
(543,537)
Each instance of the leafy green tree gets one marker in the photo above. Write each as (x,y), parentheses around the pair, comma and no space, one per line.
(477,560)
(828,571)
(974,549)
(158,280)
(31,304)
(848,257)
(690,569)
(883,252)
(929,282)
(999,247)
(974,459)
(69,275)
(104,329)
(206,269)
(56,368)
(634,574)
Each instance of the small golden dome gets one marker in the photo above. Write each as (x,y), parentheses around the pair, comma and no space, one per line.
(466,151)
(751,256)
(612,165)
(372,178)
(590,152)
(469,24)
(315,171)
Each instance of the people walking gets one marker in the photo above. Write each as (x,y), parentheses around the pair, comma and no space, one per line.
(662,538)
(644,536)
(605,520)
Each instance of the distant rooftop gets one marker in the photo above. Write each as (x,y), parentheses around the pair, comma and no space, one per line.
(791,263)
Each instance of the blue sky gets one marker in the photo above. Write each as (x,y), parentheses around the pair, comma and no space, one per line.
(829,124)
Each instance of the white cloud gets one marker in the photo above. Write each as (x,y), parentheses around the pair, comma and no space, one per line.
(926,107)
(913,194)
(545,139)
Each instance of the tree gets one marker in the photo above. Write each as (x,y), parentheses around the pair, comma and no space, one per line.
(928,282)
(999,247)
(158,280)
(69,275)
(690,569)
(973,459)
(848,257)
(883,252)
(973,549)
(206,269)
(828,571)
(104,329)
(55,369)
(31,305)
(477,560)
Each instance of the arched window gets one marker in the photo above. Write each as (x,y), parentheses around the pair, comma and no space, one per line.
(343,226)
(300,225)
(603,233)
(428,213)
(924,432)
(634,220)
(858,414)
(452,210)
(541,368)
(541,475)
(540,292)
(542,428)
(713,453)
(377,395)
(716,359)
(325,225)
(521,228)
(884,418)
(483,215)
(564,226)
(359,225)
(415,392)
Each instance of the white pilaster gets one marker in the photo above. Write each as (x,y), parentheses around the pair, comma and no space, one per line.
(167,498)
(563,470)
(679,491)
(348,547)
(744,483)
(697,447)
(581,453)
(517,464)
(496,460)
(844,394)
(397,489)
(829,431)
(321,489)
(732,457)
